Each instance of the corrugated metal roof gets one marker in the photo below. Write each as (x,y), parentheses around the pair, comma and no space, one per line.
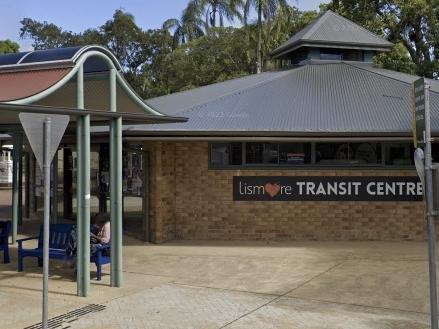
(404,77)
(333,29)
(180,101)
(318,98)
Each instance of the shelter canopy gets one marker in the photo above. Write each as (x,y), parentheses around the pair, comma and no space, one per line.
(47,80)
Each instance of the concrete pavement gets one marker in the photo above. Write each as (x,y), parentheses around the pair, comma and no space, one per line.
(237,285)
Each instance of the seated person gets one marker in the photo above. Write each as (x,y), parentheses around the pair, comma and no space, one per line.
(101,233)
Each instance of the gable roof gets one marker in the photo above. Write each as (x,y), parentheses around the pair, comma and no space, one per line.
(333,30)
(319,99)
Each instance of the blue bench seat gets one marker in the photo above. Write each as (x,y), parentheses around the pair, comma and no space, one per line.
(58,240)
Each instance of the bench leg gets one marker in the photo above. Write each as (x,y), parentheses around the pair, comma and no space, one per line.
(6,258)
(20,263)
(40,261)
(98,272)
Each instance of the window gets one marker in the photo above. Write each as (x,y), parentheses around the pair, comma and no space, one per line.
(294,153)
(341,54)
(398,154)
(348,153)
(434,152)
(334,57)
(262,153)
(225,154)
(251,154)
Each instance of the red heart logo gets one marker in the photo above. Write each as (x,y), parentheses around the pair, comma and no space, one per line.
(272,189)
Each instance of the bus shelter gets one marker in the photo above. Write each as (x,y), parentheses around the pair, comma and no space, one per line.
(87,84)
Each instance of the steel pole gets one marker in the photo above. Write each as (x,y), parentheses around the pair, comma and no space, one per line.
(116,201)
(79,192)
(85,204)
(83,191)
(15,198)
(430,212)
(115,187)
(20,178)
(54,205)
(46,170)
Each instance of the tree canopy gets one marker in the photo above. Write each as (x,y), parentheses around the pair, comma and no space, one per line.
(196,48)
(412,25)
(186,52)
(8,46)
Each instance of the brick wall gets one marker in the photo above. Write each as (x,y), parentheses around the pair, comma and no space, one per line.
(162,188)
(189,201)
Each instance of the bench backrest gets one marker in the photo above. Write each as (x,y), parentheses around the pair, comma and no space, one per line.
(58,235)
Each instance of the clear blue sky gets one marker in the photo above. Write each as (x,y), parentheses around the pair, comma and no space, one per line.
(82,14)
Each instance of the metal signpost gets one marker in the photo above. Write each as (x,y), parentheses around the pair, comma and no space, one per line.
(422,139)
(44,133)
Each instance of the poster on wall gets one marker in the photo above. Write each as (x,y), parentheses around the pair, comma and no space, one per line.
(327,188)
(5,171)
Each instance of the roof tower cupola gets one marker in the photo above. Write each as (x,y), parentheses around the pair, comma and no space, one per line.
(331,37)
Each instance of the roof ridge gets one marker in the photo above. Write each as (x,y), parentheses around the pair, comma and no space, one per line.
(376,73)
(319,20)
(364,68)
(310,25)
(356,24)
(220,97)
(205,86)
(233,93)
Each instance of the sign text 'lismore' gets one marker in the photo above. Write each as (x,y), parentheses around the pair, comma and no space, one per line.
(326,188)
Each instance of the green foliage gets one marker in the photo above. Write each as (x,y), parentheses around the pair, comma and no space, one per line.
(223,53)
(156,62)
(193,51)
(128,42)
(414,24)
(266,9)
(288,21)
(221,9)
(398,60)
(190,26)
(8,46)
(47,35)
(364,13)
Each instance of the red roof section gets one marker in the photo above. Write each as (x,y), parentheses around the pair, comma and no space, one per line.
(18,85)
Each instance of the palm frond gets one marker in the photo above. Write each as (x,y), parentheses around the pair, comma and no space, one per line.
(170,24)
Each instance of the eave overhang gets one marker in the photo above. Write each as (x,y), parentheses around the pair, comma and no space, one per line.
(282,51)
(11,122)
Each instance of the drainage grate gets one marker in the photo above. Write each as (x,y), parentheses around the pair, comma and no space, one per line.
(63,320)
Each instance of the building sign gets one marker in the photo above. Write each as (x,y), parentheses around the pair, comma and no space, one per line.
(326,188)
(419,113)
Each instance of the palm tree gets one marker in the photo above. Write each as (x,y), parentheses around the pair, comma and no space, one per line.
(220,8)
(282,26)
(266,9)
(188,27)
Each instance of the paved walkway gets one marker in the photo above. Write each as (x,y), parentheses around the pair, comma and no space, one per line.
(360,285)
